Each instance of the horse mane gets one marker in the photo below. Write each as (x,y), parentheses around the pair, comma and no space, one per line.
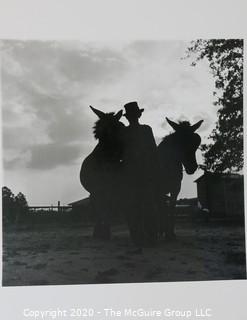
(102,123)
(183,125)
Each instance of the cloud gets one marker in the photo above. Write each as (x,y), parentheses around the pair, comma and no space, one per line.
(92,67)
(49,156)
(47,87)
(156,50)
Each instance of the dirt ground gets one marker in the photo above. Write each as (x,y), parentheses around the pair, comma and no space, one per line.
(60,256)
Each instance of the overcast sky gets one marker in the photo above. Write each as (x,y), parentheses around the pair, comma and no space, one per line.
(48,86)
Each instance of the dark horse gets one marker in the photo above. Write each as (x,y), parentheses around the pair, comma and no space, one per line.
(176,151)
(100,171)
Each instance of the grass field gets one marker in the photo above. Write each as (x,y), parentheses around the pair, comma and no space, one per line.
(69,255)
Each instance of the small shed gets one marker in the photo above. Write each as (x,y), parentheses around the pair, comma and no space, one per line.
(222,194)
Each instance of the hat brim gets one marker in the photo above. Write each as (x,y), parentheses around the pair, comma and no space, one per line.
(138,112)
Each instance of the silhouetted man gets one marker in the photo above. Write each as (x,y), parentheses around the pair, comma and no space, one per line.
(140,164)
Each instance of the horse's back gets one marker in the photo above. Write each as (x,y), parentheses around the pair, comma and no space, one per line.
(87,172)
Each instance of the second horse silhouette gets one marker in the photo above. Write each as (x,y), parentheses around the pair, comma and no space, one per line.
(176,151)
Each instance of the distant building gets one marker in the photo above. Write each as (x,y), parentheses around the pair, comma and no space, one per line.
(221,194)
(82,209)
(83,203)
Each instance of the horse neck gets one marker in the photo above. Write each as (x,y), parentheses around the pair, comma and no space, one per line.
(170,162)
(169,148)
(106,151)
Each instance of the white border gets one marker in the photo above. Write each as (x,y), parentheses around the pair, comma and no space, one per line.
(103,20)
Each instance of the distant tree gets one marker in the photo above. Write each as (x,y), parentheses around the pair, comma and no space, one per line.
(21,201)
(224,152)
(8,206)
(14,207)
(21,206)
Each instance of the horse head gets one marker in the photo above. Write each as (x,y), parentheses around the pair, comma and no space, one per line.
(187,142)
(107,128)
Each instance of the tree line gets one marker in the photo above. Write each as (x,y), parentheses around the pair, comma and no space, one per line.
(14,207)
(16,213)
(224,151)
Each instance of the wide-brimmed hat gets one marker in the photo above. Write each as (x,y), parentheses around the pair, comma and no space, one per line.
(132,108)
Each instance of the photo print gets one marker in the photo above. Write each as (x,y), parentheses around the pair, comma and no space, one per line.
(122,161)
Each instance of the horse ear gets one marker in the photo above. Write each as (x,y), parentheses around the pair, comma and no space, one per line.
(118,115)
(174,125)
(196,125)
(99,113)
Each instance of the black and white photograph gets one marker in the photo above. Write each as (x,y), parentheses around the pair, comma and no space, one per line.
(122,161)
